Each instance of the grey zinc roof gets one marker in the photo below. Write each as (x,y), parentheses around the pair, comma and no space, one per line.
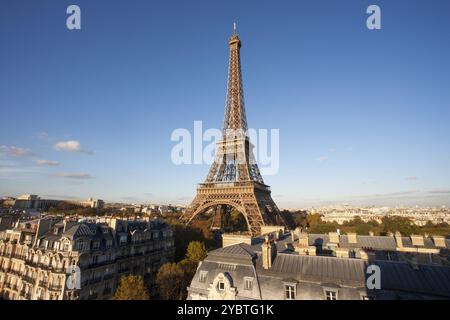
(426,279)
(81,230)
(238,250)
(372,242)
(316,268)
(395,276)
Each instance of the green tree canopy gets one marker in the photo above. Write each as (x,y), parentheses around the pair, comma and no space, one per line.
(196,252)
(131,287)
(171,281)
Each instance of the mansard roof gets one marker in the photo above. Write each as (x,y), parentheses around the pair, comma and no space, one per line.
(395,276)
(81,230)
(237,253)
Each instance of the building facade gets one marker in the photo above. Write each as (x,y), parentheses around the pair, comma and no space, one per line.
(32,201)
(299,266)
(54,259)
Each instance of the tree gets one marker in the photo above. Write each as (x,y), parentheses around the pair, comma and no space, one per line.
(313,219)
(183,236)
(236,221)
(196,252)
(131,287)
(404,225)
(171,282)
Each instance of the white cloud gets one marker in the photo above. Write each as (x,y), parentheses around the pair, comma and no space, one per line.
(47,163)
(15,151)
(70,146)
(322,158)
(73,175)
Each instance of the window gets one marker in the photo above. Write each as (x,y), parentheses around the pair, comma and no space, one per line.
(66,246)
(221,285)
(203,275)
(289,292)
(330,295)
(248,283)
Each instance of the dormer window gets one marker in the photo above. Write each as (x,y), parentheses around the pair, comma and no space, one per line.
(221,286)
(203,275)
(248,283)
(289,291)
(66,246)
(331,295)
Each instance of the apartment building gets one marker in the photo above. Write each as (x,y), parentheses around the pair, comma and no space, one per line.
(301,266)
(56,259)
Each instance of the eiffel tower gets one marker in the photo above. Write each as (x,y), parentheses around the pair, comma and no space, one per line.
(234,180)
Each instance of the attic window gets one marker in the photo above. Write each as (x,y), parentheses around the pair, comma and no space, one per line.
(221,286)
(331,295)
(248,283)
(289,291)
(203,275)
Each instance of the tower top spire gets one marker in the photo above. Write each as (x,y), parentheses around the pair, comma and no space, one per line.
(234,39)
(235,117)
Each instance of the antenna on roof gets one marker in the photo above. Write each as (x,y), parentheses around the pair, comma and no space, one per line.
(234,27)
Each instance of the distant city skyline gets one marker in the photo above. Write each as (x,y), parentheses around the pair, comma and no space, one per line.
(363,114)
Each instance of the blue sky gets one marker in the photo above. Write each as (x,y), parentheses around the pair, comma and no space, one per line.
(363,115)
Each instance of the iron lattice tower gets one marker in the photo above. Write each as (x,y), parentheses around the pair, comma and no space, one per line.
(234,180)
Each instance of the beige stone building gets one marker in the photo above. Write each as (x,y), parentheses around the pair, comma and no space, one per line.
(38,257)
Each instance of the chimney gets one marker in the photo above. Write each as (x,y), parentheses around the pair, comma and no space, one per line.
(334,237)
(398,239)
(269,252)
(417,240)
(439,241)
(303,240)
(352,238)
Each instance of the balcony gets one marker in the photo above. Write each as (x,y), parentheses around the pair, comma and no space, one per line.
(57,269)
(15,287)
(28,279)
(55,287)
(15,272)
